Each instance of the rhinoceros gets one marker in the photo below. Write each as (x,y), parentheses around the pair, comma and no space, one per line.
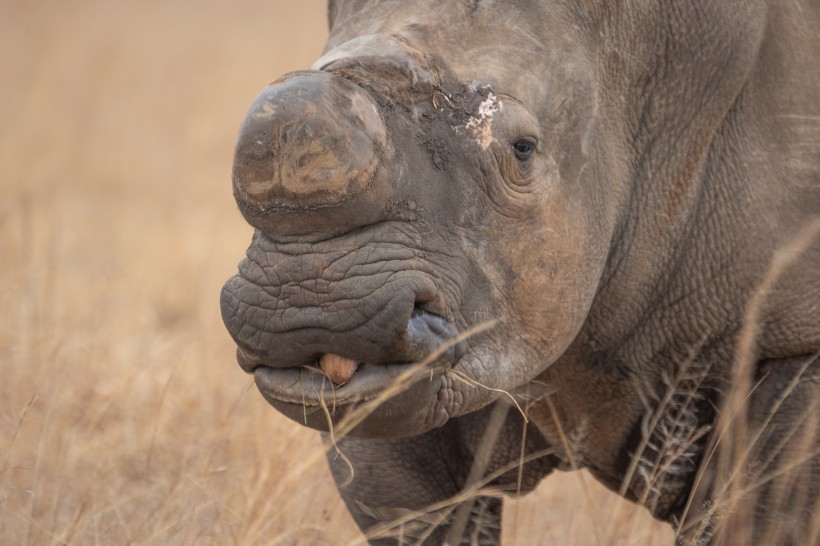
(498,238)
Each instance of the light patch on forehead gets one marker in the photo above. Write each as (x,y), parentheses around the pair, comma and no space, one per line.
(480,126)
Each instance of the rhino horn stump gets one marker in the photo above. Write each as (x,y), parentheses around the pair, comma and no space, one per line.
(308,156)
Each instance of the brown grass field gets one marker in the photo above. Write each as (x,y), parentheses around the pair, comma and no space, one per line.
(123,415)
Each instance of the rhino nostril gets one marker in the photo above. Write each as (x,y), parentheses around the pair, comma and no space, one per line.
(426,323)
(427,332)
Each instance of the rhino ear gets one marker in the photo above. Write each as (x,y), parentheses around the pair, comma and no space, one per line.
(332,9)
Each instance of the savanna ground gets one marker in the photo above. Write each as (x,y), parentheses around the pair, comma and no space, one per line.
(123,415)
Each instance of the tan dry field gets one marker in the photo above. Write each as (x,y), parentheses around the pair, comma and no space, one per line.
(123,415)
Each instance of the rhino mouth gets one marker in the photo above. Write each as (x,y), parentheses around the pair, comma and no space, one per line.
(310,387)
(430,346)
(372,304)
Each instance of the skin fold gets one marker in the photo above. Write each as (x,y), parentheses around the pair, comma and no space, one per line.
(596,225)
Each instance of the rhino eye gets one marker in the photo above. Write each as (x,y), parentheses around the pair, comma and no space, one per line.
(523,149)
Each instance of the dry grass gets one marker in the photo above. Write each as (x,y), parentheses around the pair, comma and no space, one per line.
(123,416)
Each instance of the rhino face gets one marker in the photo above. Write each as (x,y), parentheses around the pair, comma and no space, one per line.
(437,170)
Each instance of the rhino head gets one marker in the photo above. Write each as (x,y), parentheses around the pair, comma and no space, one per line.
(406,192)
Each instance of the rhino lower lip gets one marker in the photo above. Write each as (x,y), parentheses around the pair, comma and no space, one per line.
(310,387)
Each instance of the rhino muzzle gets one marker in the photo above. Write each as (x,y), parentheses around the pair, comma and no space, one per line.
(358,300)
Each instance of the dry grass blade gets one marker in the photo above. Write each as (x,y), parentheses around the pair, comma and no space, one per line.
(32,523)
(156,420)
(14,434)
(333,443)
(473,383)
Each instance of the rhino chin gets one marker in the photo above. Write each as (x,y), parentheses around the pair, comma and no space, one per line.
(394,400)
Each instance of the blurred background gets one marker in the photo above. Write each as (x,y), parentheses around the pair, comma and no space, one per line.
(123,415)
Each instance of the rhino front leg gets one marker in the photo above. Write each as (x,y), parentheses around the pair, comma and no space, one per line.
(767,486)
(422,490)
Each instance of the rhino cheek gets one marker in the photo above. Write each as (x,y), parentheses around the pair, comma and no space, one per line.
(558,273)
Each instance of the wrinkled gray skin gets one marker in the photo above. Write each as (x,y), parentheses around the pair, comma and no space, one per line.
(610,182)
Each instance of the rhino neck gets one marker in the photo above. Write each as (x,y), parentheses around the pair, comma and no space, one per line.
(704,190)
